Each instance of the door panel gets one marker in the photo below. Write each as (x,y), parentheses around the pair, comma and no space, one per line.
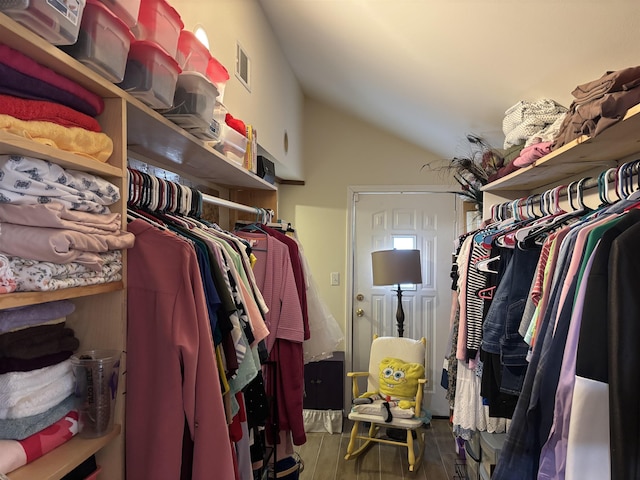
(420,220)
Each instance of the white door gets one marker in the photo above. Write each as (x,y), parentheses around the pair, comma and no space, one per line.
(409,220)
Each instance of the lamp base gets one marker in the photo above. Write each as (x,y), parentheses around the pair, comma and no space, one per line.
(400,313)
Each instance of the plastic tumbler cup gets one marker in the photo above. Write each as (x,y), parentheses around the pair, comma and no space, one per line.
(96,383)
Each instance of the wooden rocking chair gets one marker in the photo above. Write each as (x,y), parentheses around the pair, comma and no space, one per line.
(405,349)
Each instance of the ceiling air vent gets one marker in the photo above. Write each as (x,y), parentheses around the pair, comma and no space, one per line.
(243,67)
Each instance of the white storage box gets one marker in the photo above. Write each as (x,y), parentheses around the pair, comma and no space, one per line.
(57,21)
(103,42)
(193,102)
(151,74)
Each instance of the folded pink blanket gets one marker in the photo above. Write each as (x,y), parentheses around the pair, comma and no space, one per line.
(43,110)
(60,245)
(56,215)
(20,62)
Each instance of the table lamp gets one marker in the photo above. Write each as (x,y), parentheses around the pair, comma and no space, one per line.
(395,267)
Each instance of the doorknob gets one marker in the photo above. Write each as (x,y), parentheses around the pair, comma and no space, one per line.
(360,297)
(359,312)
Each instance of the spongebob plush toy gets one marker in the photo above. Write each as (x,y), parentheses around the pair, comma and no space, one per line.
(398,386)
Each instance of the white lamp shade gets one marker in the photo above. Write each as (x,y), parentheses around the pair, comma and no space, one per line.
(393,267)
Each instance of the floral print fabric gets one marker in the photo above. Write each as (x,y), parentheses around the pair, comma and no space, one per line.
(26,180)
(31,275)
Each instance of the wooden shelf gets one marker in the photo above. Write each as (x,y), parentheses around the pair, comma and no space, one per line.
(149,134)
(20,299)
(154,138)
(57,463)
(15,144)
(581,155)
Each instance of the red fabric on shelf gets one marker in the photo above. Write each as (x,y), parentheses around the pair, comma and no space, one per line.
(41,110)
(22,63)
(237,124)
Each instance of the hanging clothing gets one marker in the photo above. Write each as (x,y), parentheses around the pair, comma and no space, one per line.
(276,280)
(172,377)
(581,351)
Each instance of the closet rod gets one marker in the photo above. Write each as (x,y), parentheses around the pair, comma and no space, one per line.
(611,177)
(229,204)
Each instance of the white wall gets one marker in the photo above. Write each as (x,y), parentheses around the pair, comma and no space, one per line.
(340,150)
(328,149)
(275,101)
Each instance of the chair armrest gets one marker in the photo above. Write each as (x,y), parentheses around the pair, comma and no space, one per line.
(419,394)
(354,377)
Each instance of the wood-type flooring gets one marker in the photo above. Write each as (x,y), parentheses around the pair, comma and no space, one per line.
(323,457)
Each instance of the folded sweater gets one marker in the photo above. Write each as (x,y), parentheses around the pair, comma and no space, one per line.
(17,84)
(24,64)
(46,111)
(93,145)
(37,345)
(12,318)
(56,215)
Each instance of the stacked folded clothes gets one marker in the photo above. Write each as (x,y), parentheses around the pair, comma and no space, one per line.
(35,276)
(525,125)
(16,453)
(528,122)
(26,180)
(56,227)
(599,104)
(37,403)
(39,104)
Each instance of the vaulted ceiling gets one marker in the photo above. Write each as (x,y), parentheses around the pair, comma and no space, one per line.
(433,71)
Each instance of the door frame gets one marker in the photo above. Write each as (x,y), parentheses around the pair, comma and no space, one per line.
(352,191)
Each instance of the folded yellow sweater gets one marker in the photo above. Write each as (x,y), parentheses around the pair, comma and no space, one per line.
(94,145)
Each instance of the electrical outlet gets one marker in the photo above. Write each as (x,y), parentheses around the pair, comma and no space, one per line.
(335,279)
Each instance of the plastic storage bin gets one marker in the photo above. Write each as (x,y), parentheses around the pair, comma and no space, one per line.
(229,142)
(125,10)
(103,42)
(159,22)
(57,21)
(219,75)
(151,74)
(193,104)
(192,55)
(232,143)
(473,462)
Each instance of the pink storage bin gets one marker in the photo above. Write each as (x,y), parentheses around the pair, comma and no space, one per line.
(125,10)
(192,55)
(151,74)
(159,22)
(219,75)
(103,42)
